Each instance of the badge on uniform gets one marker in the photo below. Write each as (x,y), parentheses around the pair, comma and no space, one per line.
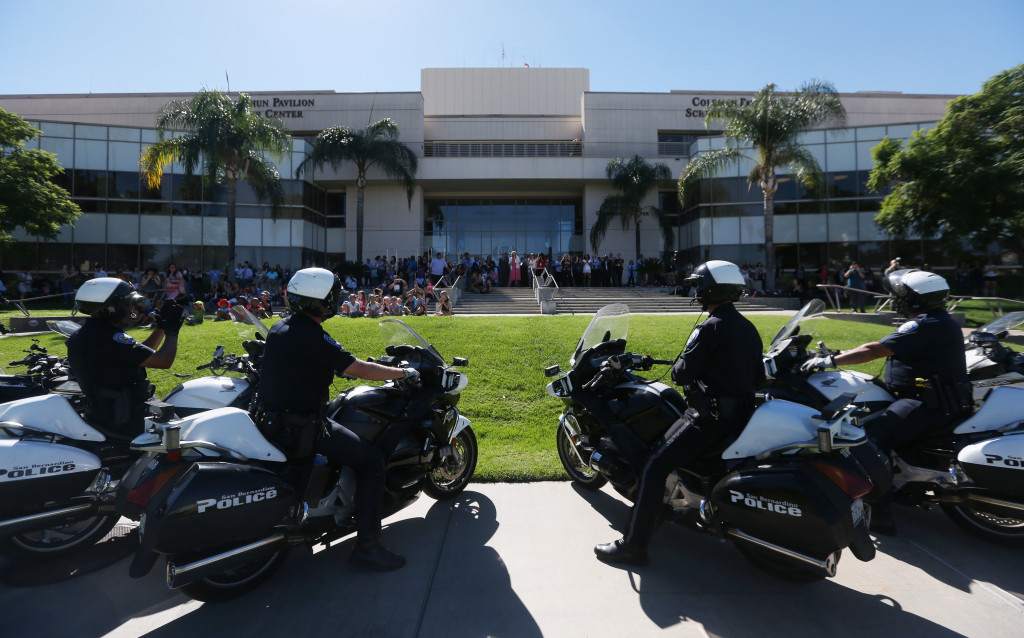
(331,341)
(123,338)
(910,326)
(693,336)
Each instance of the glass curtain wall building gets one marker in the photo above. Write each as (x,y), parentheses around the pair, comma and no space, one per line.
(724,217)
(126,225)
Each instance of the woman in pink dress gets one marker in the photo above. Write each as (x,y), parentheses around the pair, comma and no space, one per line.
(514,274)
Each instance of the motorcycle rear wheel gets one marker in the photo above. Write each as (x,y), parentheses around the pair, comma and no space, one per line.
(235,582)
(1008,531)
(778,566)
(581,474)
(54,542)
(453,475)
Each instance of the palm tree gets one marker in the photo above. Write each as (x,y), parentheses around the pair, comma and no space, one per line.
(635,179)
(230,139)
(771,125)
(376,145)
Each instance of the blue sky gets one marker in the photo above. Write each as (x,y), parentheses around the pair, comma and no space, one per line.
(935,46)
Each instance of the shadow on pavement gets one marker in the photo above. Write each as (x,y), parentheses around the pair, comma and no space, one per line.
(698,578)
(453,585)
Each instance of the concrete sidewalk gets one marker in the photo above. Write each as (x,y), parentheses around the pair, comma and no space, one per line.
(516,560)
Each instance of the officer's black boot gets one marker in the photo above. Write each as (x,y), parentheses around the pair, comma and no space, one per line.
(882,521)
(370,554)
(621,552)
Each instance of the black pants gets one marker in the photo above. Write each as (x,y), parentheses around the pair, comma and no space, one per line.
(902,422)
(685,441)
(344,448)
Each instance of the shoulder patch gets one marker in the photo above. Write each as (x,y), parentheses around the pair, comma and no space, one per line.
(123,338)
(693,336)
(331,341)
(909,326)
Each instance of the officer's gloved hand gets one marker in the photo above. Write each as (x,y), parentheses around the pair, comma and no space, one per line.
(818,363)
(412,375)
(170,317)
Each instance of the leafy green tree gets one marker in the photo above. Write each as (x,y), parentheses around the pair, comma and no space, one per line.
(229,139)
(770,124)
(28,199)
(376,145)
(634,178)
(965,177)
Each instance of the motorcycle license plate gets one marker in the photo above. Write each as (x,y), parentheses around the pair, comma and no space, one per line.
(857,511)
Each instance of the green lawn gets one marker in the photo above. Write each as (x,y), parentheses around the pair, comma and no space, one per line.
(512,415)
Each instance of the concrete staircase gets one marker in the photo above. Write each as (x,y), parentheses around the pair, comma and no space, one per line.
(585,301)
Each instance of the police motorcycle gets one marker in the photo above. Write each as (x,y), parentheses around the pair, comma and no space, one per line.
(974,469)
(786,491)
(43,373)
(223,505)
(990,362)
(59,474)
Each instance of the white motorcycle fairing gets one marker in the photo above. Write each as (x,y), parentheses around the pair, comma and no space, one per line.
(777,424)
(833,383)
(22,459)
(1001,409)
(206,393)
(49,413)
(232,429)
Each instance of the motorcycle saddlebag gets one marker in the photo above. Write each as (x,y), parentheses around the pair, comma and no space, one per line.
(996,464)
(215,504)
(792,505)
(36,475)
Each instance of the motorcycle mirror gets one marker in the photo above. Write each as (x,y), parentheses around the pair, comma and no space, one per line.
(218,352)
(460,362)
(552,371)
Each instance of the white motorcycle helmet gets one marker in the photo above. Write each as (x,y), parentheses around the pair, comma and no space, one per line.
(315,291)
(109,298)
(716,281)
(915,291)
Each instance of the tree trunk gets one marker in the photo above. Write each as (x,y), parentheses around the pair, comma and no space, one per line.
(637,220)
(232,186)
(360,192)
(769,239)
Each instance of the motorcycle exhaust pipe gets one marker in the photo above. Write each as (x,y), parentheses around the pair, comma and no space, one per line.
(48,518)
(828,565)
(996,502)
(179,575)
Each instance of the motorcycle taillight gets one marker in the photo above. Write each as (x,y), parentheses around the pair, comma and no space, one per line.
(854,485)
(143,493)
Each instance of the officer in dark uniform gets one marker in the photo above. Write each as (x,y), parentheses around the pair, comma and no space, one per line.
(719,370)
(109,364)
(297,367)
(926,370)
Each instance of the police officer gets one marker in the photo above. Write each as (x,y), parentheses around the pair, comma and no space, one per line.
(719,370)
(926,370)
(298,365)
(109,364)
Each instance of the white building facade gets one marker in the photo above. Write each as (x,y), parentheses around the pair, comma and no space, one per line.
(509,159)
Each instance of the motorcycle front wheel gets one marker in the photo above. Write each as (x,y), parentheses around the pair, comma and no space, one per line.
(454,473)
(235,582)
(1009,531)
(581,473)
(61,540)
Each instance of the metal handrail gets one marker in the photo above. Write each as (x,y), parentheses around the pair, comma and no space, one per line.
(956,300)
(549,281)
(882,300)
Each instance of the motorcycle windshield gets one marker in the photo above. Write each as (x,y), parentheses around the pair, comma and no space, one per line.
(610,323)
(247,324)
(395,332)
(803,321)
(63,327)
(1004,323)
